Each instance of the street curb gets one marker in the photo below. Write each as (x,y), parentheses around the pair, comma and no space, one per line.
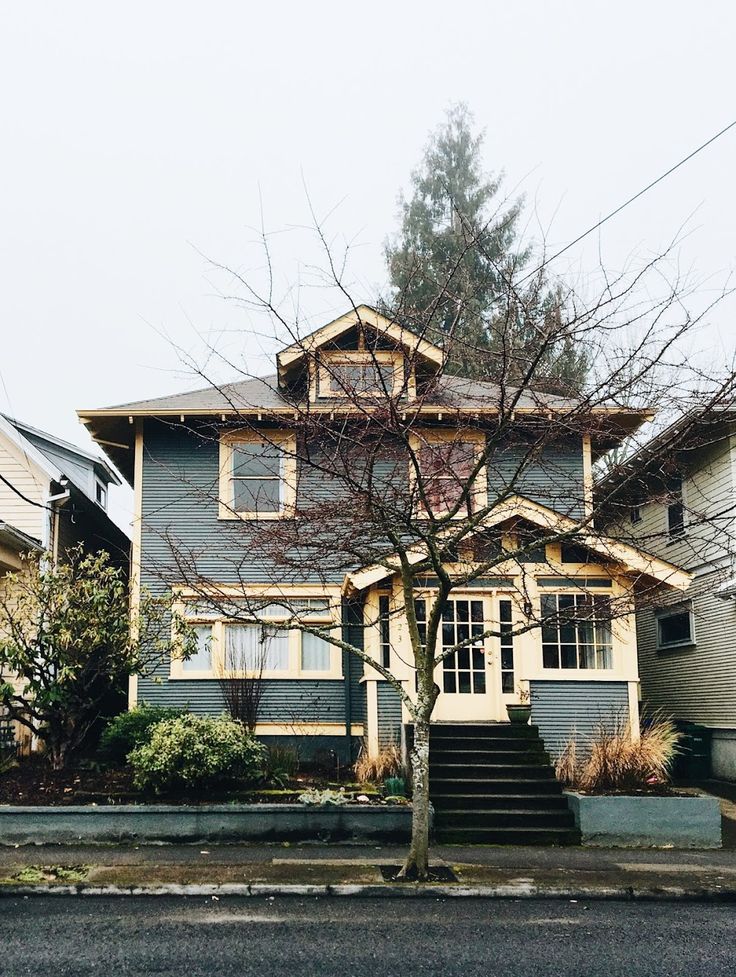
(400,891)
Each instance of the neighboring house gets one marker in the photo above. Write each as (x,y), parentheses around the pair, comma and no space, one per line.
(677,497)
(179,453)
(53,496)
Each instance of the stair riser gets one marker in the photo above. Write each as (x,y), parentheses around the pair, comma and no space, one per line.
(477,733)
(497,836)
(487,771)
(443,785)
(504,819)
(469,802)
(538,758)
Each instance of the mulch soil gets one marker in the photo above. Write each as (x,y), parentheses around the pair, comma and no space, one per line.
(34,783)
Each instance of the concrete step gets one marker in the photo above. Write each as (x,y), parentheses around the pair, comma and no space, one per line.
(503,783)
(508,836)
(466,802)
(504,818)
(454,756)
(490,771)
(477,731)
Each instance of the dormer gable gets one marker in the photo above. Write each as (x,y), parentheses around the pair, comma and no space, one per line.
(361,353)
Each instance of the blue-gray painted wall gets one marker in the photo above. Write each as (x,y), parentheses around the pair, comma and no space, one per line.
(180,522)
(565,708)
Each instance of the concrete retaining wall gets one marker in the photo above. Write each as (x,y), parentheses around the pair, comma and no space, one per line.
(647,822)
(155,823)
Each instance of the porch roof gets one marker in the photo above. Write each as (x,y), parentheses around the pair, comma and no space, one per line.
(516,507)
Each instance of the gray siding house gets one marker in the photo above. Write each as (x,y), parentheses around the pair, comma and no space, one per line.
(193,461)
(677,497)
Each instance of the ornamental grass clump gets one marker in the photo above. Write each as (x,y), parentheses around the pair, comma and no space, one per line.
(617,761)
(197,753)
(375,769)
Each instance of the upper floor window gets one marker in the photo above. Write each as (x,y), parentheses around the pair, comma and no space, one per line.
(257,475)
(360,374)
(101,493)
(576,631)
(675,509)
(635,514)
(448,470)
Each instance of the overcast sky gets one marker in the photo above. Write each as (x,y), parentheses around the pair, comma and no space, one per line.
(139,138)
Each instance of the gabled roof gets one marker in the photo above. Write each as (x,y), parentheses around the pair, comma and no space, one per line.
(690,433)
(101,466)
(517,507)
(362,316)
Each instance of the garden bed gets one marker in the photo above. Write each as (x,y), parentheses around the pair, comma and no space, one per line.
(33,783)
(647,820)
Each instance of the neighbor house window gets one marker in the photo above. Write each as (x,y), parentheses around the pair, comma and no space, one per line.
(576,631)
(675,628)
(635,514)
(201,659)
(675,509)
(257,476)
(446,470)
(101,493)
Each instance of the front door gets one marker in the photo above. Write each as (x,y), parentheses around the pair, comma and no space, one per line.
(468,678)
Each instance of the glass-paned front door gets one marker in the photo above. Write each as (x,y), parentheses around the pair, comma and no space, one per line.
(464,670)
(469,679)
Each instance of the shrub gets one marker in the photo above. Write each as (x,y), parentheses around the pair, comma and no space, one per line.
(313,797)
(197,752)
(372,769)
(617,761)
(282,764)
(132,729)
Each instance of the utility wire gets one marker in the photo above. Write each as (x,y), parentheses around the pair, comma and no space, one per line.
(39,505)
(629,201)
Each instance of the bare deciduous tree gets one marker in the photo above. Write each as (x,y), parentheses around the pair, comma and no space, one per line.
(405,472)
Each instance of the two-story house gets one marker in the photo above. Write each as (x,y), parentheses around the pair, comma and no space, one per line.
(204,484)
(53,496)
(676,496)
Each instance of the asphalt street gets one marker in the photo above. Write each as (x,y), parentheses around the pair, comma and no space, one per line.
(362,937)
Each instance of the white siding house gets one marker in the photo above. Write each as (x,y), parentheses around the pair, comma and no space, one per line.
(684,510)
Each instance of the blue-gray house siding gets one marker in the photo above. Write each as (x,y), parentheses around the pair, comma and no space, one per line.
(180,487)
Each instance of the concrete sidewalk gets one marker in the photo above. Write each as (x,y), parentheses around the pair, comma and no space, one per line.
(356,870)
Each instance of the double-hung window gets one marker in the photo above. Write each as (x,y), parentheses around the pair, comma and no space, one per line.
(448,471)
(257,475)
(576,631)
(675,509)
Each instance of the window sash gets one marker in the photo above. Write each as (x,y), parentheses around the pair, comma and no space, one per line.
(256,648)
(583,640)
(201,659)
(316,653)
(665,621)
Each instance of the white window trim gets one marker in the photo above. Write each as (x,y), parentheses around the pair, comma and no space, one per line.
(428,436)
(286,440)
(672,612)
(673,538)
(294,670)
(99,483)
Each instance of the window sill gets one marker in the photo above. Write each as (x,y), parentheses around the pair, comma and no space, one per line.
(676,646)
(253,516)
(266,677)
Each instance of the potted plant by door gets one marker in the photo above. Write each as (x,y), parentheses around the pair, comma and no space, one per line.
(520,712)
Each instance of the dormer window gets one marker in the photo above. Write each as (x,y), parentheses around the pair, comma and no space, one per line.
(360,374)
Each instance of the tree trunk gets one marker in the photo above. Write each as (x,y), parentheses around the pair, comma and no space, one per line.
(417,861)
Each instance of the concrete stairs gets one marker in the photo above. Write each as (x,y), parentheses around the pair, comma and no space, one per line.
(493,783)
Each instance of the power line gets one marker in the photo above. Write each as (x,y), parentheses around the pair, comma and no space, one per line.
(629,201)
